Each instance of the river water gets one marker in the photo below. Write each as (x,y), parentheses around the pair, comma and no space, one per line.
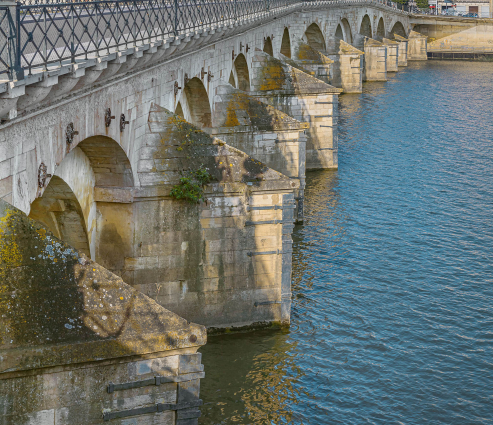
(392,315)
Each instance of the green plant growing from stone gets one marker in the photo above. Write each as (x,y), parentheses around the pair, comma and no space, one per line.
(191,187)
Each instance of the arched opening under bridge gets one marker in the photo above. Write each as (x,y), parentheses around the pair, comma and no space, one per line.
(365,28)
(195,104)
(348,35)
(286,43)
(268,46)
(232,79)
(179,110)
(380,30)
(398,29)
(315,38)
(242,74)
(59,210)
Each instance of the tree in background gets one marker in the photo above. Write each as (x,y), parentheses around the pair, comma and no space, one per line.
(422,4)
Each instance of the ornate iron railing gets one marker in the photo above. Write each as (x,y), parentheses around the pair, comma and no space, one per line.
(40,34)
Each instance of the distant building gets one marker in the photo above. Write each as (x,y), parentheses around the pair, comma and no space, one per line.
(480,9)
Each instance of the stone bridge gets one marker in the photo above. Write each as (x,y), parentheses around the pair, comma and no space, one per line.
(99,243)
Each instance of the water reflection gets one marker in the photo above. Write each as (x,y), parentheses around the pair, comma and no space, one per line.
(255,380)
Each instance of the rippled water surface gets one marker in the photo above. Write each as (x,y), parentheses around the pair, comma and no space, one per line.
(392,316)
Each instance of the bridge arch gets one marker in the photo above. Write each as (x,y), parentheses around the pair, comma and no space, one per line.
(286,43)
(339,35)
(365,27)
(242,73)
(80,204)
(346,30)
(398,29)
(268,46)
(60,211)
(315,38)
(195,103)
(380,29)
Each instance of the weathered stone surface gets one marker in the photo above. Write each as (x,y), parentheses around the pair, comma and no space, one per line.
(392,54)
(375,60)
(265,133)
(303,97)
(417,49)
(348,68)
(402,60)
(213,261)
(69,327)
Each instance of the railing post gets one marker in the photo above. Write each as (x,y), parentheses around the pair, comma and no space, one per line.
(176,18)
(15,34)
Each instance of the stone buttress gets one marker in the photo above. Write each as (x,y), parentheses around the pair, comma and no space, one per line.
(223,262)
(392,54)
(79,346)
(417,49)
(402,49)
(263,132)
(348,68)
(304,98)
(311,61)
(375,60)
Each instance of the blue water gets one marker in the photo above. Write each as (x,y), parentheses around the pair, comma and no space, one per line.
(392,316)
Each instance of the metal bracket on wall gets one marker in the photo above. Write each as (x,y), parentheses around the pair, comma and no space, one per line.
(233,55)
(42,175)
(186,79)
(247,48)
(251,254)
(123,123)
(271,207)
(108,117)
(159,407)
(176,87)
(155,380)
(70,133)
(255,223)
(257,303)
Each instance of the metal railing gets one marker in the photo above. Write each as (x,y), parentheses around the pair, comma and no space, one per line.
(37,34)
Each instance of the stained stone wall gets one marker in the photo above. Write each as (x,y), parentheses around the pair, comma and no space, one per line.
(70,328)
(304,98)
(225,262)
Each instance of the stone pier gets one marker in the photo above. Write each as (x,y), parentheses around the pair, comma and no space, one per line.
(348,68)
(80,346)
(311,61)
(265,133)
(417,47)
(392,54)
(375,61)
(402,59)
(304,98)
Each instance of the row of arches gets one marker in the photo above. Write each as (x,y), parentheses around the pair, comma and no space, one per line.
(366,28)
